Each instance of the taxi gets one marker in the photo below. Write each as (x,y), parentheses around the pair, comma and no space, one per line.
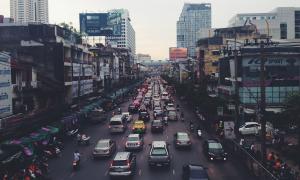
(139,127)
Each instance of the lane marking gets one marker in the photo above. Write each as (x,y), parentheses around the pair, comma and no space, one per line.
(140,172)
(106,173)
(173,171)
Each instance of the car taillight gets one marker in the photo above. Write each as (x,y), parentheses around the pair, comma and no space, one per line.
(138,143)
(177,142)
(128,163)
(109,126)
(111,164)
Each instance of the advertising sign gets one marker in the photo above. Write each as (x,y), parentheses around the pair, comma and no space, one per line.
(101,24)
(271,61)
(114,22)
(177,53)
(5,86)
(76,69)
(229,129)
(88,70)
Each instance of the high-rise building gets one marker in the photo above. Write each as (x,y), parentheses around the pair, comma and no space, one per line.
(127,37)
(280,23)
(23,11)
(193,18)
(142,58)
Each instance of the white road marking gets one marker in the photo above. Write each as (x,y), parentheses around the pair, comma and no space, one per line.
(140,172)
(173,171)
(106,173)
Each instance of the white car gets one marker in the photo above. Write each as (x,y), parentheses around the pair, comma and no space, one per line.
(165,96)
(158,111)
(250,128)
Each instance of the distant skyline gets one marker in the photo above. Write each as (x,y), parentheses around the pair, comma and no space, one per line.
(154,21)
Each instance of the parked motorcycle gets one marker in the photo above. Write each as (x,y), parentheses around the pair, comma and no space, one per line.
(72,132)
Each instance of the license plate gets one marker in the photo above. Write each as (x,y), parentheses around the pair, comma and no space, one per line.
(159,165)
(118,170)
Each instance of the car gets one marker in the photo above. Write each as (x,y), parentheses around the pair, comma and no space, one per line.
(159,154)
(144,115)
(156,97)
(172,116)
(165,96)
(147,102)
(194,172)
(213,149)
(253,128)
(127,116)
(156,104)
(142,108)
(117,124)
(139,127)
(182,139)
(158,111)
(134,142)
(97,115)
(123,165)
(104,148)
(132,108)
(157,126)
(136,103)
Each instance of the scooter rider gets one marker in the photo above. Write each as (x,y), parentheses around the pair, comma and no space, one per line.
(182,116)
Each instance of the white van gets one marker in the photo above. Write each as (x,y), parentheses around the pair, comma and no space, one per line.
(118,123)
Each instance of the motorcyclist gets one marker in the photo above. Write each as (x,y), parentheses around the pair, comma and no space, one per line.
(177,108)
(119,110)
(182,116)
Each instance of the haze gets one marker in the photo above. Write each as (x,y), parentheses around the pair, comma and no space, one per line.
(154,21)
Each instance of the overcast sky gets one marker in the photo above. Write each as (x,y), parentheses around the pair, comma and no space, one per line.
(154,21)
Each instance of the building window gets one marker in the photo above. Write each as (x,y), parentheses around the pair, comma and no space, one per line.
(297,24)
(283,31)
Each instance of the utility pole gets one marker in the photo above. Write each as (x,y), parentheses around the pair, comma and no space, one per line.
(262,101)
(236,87)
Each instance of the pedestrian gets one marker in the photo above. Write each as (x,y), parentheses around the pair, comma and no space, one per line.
(252,148)
(242,141)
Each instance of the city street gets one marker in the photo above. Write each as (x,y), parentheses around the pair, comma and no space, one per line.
(61,168)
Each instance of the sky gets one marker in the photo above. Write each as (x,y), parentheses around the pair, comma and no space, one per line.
(154,21)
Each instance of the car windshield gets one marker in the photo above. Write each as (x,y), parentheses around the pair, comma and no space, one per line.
(157,123)
(172,113)
(183,137)
(214,146)
(144,113)
(102,144)
(131,138)
(198,174)
(159,151)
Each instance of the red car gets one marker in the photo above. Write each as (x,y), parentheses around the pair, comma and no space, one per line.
(137,103)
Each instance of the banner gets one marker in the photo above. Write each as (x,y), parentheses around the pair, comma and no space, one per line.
(5,86)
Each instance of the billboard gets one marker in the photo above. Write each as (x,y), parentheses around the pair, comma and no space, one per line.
(5,86)
(177,53)
(101,24)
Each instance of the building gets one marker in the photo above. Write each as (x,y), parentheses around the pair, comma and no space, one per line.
(280,23)
(23,11)
(50,71)
(282,66)
(4,20)
(143,58)
(127,37)
(193,18)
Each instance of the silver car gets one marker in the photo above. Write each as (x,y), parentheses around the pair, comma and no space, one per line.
(124,164)
(182,139)
(104,148)
(172,116)
(134,142)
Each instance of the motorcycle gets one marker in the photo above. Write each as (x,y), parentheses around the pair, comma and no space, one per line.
(191,127)
(75,165)
(72,132)
(165,120)
(83,140)
(52,152)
